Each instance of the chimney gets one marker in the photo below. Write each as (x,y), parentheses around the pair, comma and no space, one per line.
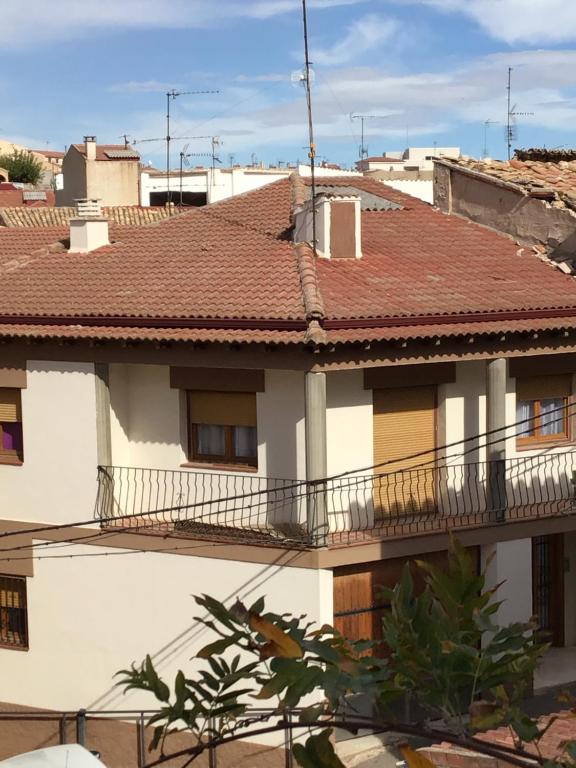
(338,225)
(88,229)
(90,147)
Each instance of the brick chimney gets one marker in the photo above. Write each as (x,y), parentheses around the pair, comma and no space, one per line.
(88,229)
(90,147)
(338,225)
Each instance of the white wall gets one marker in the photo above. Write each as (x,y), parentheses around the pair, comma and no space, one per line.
(510,563)
(57,481)
(92,616)
(423,189)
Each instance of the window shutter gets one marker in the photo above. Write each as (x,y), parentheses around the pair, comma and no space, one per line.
(404,424)
(542,387)
(232,409)
(10,409)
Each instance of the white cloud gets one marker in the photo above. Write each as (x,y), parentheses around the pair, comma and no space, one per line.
(69,19)
(362,35)
(516,21)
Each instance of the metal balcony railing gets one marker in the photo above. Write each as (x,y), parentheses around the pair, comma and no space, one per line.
(246,508)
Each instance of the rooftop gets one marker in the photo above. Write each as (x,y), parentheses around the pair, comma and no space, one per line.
(111,151)
(129,215)
(229,272)
(554,181)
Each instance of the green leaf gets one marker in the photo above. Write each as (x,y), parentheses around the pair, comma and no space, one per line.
(218,646)
(317,752)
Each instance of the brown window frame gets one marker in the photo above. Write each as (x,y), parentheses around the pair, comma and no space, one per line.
(537,438)
(12,456)
(14,584)
(217,461)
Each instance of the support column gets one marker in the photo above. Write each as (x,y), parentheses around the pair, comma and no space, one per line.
(103,432)
(316,458)
(496,442)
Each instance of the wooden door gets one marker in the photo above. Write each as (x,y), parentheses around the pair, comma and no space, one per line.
(404,424)
(548,585)
(358,607)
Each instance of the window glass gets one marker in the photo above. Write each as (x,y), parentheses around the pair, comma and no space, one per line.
(524,411)
(245,442)
(11,436)
(211,440)
(13,612)
(552,416)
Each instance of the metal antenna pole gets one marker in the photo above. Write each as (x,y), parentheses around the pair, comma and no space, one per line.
(312,146)
(171,95)
(363,152)
(509,114)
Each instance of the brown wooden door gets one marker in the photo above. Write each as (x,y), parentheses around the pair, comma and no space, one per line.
(548,585)
(404,425)
(358,608)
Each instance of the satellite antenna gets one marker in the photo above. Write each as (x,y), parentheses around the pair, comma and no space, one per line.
(363,149)
(513,115)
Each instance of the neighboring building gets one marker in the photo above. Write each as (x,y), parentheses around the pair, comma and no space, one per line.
(201,186)
(203,374)
(51,161)
(25,197)
(107,172)
(532,199)
(410,171)
(31,216)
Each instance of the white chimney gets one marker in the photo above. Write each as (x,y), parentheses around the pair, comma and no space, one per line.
(338,226)
(90,147)
(88,229)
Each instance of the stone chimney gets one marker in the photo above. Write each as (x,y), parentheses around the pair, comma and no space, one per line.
(88,229)
(90,147)
(338,225)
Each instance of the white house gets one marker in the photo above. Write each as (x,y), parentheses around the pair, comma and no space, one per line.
(182,387)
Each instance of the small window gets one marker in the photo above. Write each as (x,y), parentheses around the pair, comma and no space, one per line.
(542,410)
(13,613)
(222,428)
(11,443)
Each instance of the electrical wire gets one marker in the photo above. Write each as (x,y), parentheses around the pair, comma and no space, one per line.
(310,487)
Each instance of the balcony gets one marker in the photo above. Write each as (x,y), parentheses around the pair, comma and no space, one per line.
(299,514)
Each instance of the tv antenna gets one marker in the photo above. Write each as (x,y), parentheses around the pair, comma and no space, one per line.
(185,156)
(487,124)
(172,96)
(363,149)
(307,73)
(511,125)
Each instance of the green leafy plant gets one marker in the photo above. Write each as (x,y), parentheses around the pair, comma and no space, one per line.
(443,650)
(22,166)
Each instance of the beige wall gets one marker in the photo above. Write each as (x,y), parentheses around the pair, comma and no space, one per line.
(524,218)
(113,182)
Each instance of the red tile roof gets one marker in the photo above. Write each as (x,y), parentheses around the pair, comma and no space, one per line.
(102,149)
(13,198)
(228,272)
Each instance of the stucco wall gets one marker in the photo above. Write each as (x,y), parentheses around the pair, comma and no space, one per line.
(423,189)
(114,182)
(91,616)
(526,219)
(509,563)
(57,482)
(74,178)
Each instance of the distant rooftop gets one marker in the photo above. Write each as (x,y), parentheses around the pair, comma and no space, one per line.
(111,151)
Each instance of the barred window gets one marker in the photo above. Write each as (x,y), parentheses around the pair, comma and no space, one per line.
(13,612)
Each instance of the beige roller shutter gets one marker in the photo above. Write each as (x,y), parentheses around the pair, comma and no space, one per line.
(233,409)
(542,387)
(404,424)
(10,410)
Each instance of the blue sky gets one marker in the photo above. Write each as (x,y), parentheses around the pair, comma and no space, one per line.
(435,70)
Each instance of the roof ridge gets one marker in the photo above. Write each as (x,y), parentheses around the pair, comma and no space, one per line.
(311,296)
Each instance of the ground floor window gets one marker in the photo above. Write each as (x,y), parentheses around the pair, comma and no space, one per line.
(13,612)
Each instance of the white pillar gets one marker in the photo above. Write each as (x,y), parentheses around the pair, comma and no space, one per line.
(103,430)
(316,454)
(509,563)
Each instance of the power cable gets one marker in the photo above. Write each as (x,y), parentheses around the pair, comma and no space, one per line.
(314,486)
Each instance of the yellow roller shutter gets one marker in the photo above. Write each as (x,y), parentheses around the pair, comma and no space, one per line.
(404,424)
(542,387)
(10,410)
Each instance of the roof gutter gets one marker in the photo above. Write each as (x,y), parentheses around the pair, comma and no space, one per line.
(287,325)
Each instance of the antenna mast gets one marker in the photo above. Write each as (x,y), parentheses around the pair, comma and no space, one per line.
(312,146)
(171,96)
(363,150)
(511,132)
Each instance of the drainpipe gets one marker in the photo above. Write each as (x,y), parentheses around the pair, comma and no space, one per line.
(496,450)
(316,462)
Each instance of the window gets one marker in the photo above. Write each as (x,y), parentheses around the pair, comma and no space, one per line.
(13,612)
(541,407)
(222,428)
(11,444)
